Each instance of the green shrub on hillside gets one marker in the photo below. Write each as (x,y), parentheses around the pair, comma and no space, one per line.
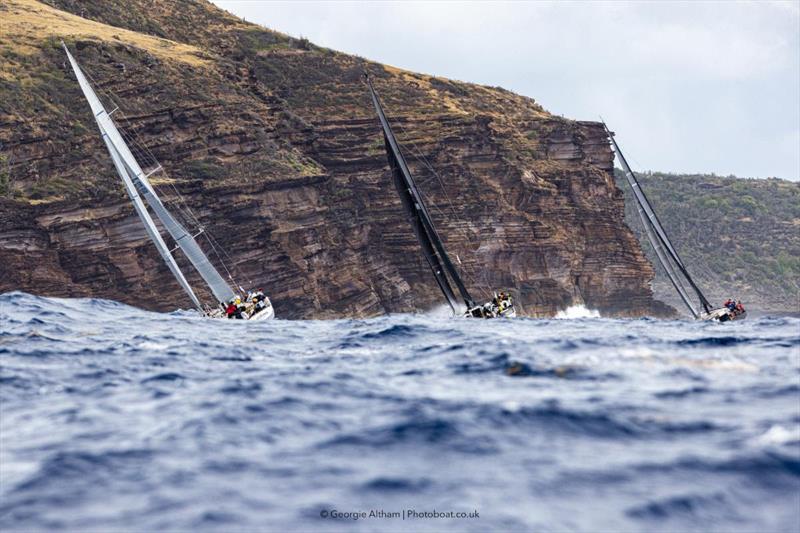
(739,237)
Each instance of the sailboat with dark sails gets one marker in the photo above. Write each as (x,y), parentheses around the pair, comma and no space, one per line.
(668,256)
(444,272)
(250,305)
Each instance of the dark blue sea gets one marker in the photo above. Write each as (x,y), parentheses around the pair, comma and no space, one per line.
(118,419)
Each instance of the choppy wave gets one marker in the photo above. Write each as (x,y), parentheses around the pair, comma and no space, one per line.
(114,418)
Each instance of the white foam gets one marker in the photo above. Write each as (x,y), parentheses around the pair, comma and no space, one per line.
(440,311)
(154,346)
(577,311)
(779,435)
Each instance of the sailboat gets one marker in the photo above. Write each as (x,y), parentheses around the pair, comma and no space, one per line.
(667,255)
(431,244)
(141,191)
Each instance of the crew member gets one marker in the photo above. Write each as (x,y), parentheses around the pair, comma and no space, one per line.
(240,308)
(259,299)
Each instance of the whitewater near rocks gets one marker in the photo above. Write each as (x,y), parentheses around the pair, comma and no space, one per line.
(116,418)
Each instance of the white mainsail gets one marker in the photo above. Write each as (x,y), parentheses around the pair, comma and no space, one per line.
(138,186)
(152,231)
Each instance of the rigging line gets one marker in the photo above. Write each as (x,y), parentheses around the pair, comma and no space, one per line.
(359,99)
(659,227)
(216,253)
(466,269)
(235,265)
(179,203)
(360,103)
(433,171)
(427,163)
(192,219)
(144,153)
(128,131)
(461,223)
(427,202)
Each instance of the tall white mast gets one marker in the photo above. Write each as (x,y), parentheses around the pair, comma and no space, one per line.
(137,184)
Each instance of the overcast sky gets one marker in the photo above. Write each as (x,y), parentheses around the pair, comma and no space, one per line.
(688,87)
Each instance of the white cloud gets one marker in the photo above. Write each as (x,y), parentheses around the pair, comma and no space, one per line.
(688,86)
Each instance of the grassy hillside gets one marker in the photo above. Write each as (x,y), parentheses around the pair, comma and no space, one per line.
(739,237)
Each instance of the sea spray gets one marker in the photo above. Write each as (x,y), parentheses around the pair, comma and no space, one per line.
(577,311)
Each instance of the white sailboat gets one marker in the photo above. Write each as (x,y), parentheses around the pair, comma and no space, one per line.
(142,192)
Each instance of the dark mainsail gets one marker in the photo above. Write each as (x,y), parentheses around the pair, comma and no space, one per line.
(658,237)
(421,222)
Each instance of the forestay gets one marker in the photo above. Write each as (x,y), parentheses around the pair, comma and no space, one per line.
(139,186)
(658,237)
(432,246)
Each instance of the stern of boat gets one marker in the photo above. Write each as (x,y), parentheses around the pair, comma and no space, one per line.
(266,313)
(723,314)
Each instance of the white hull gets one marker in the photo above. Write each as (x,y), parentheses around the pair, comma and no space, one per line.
(267,313)
(723,314)
(509,313)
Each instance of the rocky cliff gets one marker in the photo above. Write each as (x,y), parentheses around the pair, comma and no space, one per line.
(274,146)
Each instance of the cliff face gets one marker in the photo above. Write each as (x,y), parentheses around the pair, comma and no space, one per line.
(274,146)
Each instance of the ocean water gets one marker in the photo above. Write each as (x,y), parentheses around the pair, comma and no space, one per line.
(117,419)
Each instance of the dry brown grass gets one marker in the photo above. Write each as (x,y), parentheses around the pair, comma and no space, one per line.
(24,24)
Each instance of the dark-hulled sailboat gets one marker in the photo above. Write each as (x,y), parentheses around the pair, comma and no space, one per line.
(432,247)
(667,255)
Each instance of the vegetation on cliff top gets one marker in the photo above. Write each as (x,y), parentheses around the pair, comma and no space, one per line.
(739,237)
(187,58)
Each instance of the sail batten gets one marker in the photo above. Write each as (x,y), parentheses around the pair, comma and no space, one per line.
(426,233)
(129,169)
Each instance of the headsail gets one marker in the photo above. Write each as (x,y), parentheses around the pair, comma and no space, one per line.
(432,246)
(658,237)
(152,231)
(133,176)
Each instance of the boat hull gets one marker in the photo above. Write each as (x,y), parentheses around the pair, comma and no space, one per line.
(264,314)
(723,314)
(482,311)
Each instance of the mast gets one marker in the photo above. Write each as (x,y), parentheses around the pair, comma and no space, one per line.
(432,246)
(130,171)
(149,225)
(664,261)
(419,230)
(660,240)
